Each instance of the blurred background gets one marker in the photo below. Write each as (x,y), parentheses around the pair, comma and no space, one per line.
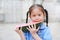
(13,12)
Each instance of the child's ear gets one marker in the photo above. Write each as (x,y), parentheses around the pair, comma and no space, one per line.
(29,16)
(44,13)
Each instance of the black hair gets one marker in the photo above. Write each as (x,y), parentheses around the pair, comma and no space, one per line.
(42,9)
(46,17)
(27,17)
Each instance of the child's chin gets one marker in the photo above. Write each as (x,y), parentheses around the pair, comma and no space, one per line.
(36,21)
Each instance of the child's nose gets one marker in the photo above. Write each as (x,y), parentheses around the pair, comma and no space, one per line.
(37,17)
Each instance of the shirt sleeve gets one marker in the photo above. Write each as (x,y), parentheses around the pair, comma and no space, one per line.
(47,34)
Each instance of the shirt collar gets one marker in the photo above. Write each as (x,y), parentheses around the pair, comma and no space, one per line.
(43,26)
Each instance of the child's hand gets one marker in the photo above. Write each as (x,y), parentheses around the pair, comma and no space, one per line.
(19,31)
(33,29)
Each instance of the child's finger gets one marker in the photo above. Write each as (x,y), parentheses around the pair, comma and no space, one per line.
(35,26)
(38,28)
(29,27)
(32,26)
(21,28)
(17,29)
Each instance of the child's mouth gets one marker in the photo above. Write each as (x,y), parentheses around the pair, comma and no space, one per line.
(36,21)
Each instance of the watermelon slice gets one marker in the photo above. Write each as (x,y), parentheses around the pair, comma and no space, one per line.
(24,26)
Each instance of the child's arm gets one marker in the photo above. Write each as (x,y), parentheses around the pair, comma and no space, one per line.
(20,32)
(36,37)
(33,31)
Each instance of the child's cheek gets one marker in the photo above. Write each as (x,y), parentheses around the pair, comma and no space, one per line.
(41,19)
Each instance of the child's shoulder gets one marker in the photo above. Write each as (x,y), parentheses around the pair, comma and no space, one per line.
(43,26)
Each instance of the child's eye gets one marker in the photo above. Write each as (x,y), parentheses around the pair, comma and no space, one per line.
(39,14)
(34,15)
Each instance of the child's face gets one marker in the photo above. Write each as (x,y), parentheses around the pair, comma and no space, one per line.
(37,15)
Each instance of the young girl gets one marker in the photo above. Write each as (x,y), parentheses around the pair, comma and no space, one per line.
(37,14)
